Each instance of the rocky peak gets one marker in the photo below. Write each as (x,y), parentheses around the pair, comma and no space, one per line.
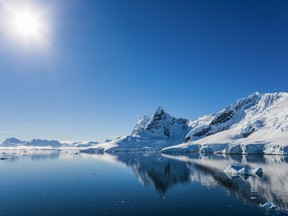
(161,125)
(159,111)
(159,115)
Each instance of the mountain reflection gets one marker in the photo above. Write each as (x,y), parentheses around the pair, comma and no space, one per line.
(157,170)
(254,189)
(163,172)
(31,154)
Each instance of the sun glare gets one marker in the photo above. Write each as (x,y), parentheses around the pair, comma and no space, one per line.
(27,25)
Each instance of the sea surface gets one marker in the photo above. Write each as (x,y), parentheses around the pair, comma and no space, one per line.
(66,182)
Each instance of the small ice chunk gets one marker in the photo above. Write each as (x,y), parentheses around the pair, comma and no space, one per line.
(268,205)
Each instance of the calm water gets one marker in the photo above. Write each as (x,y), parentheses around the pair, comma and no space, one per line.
(51,182)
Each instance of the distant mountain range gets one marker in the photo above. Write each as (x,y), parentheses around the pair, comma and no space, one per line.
(14,142)
(255,124)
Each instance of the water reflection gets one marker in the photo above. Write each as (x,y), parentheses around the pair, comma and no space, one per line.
(163,172)
(36,154)
(157,170)
(272,186)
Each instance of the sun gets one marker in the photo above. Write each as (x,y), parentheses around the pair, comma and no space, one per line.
(27,25)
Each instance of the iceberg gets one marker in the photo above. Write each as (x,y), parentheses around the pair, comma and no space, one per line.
(269,205)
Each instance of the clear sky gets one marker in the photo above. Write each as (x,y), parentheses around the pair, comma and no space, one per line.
(105,63)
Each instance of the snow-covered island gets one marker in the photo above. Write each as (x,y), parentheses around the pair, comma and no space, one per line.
(257,124)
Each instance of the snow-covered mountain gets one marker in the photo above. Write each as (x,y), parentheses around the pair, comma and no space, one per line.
(39,142)
(12,142)
(255,124)
(243,112)
(150,134)
(161,125)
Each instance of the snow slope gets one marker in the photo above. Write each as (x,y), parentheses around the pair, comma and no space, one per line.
(255,124)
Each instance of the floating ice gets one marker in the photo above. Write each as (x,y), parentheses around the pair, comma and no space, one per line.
(268,205)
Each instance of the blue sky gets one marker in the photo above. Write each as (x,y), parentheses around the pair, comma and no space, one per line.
(110,62)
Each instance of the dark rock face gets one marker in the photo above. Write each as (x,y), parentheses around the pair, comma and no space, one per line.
(224,117)
(202,132)
(166,132)
(248,133)
(187,139)
(156,121)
